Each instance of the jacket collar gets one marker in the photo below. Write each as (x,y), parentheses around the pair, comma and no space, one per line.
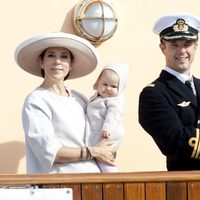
(180,88)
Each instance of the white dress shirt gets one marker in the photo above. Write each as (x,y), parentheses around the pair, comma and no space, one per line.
(182,77)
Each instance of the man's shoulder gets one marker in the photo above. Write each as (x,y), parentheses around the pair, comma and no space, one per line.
(150,85)
(196,79)
(155,85)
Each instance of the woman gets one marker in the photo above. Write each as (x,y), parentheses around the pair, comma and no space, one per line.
(53,115)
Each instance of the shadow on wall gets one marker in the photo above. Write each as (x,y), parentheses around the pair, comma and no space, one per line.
(10,155)
(67,25)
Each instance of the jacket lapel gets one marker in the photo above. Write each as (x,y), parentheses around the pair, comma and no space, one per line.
(179,88)
(197,87)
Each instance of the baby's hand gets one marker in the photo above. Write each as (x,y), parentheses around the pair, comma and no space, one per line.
(105,135)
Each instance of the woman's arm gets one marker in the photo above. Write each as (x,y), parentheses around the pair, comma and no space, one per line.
(101,151)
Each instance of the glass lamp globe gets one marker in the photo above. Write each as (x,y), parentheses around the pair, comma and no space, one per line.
(95,20)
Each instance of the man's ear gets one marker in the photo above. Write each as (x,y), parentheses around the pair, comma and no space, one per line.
(162,47)
(196,44)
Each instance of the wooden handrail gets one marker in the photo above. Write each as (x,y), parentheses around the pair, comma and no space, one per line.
(161,185)
(136,177)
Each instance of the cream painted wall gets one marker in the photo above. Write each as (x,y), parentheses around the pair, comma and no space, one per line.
(133,42)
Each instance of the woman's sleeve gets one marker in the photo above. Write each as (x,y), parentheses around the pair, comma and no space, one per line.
(39,132)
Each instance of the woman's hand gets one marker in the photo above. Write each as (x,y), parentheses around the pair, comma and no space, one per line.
(103,152)
(105,135)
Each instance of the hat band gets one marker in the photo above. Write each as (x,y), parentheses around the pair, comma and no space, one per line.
(169,33)
(174,37)
(171,30)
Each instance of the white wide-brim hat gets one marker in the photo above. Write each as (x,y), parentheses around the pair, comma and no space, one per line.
(85,54)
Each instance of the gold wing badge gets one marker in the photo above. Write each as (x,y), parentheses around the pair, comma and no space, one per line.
(184,104)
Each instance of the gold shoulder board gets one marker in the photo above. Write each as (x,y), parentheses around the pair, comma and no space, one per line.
(150,85)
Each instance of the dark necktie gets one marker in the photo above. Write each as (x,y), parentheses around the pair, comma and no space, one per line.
(189,84)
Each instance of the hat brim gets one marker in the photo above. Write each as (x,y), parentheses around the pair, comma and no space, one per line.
(179,36)
(85,55)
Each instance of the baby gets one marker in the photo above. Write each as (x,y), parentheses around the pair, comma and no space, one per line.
(106,108)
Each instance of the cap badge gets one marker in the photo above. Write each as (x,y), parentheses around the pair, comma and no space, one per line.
(180,26)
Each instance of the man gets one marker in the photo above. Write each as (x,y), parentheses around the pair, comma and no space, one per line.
(169,107)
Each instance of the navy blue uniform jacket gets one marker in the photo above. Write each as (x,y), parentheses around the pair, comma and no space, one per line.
(170,113)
